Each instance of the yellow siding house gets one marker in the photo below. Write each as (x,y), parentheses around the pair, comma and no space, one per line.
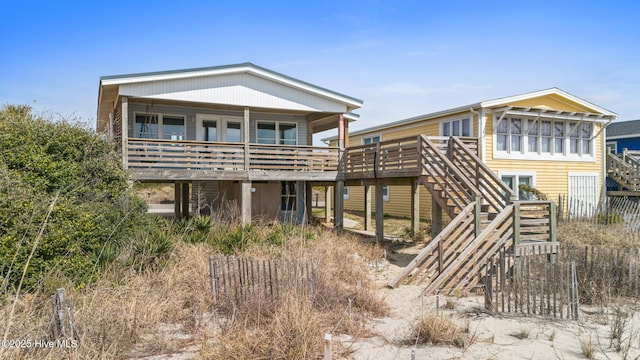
(549,140)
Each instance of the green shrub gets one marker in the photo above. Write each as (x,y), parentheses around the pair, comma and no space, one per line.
(94,215)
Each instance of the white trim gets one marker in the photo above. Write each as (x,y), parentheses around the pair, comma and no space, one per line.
(345,192)
(517,175)
(524,154)
(615,146)
(221,123)
(379,135)
(451,119)
(386,197)
(552,91)
(630,136)
(232,69)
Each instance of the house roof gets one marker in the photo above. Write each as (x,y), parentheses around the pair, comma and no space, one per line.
(624,129)
(187,82)
(594,111)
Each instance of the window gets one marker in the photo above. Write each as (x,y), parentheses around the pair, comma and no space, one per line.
(385,193)
(209,130)
(146,126)
(233,132)
(173,127)
(266,133)
(345,193)
(159,126)
(520,138)
(514,180)
(370,139)
(509,135)
(277,133)
(288,196)
(461,127)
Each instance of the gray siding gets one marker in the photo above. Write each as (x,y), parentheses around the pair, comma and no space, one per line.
(190,114)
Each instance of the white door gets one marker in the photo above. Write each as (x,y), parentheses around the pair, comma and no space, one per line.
(584,194)
(218,128)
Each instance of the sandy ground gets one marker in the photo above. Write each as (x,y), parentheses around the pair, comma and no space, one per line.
(491,336)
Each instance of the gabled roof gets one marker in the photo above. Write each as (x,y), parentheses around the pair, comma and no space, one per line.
(624,129)
(181,84)
(504,104)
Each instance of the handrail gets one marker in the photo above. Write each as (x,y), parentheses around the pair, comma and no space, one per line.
(203,155)
(489,184)
(499,230)
(451,172)
(433,245)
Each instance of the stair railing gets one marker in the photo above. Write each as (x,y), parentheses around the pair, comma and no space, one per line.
(495,192)
(456,186)
(440,252)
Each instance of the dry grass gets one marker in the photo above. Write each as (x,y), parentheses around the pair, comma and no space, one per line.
(585,233)
(438,329)
(133,314)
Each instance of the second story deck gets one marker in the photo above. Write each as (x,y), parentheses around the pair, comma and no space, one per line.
(185,160)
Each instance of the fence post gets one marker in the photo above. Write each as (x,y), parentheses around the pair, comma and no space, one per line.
(516,225)
(327,346)
(552,228)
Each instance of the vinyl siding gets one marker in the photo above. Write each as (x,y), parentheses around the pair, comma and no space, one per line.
(190,114)
(553,102)
(233,89)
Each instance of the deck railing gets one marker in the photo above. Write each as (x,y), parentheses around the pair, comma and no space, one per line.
(201,155)
(395,157)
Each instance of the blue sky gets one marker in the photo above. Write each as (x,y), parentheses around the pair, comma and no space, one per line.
(403,58)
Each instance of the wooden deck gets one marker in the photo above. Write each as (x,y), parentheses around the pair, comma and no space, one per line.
(157,160)
(395,158)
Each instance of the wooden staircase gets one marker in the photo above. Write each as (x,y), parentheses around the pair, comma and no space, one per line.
(482,218)
(624,169)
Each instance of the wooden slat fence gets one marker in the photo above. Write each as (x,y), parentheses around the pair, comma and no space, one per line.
(531,285)
(240,278)
(552,280)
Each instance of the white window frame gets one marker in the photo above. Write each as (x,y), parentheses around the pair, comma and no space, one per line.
(450,122)
(277,126)
(345,193)
(160,117)
(517,175)
(525,154)
(385,197)
(613,144)
(221,124)
(379,136)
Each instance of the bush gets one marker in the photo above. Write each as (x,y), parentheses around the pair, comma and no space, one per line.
(93,215)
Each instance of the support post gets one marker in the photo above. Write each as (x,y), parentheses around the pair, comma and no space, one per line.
(185,200)
(177,209)
(415,206)
(379,213)
(245,202)
(368,225)
(245,138)
(308,191)
(436,218)
(338,216)
(477,216)
(516,224)
(327,204)
(552,229)
(124,131)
